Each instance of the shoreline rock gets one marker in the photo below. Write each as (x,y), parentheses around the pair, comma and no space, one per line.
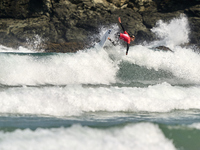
(68,23)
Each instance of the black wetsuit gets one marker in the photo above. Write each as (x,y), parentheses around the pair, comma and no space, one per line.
(127,43)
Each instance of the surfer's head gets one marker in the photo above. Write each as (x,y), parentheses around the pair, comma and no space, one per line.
(132,37)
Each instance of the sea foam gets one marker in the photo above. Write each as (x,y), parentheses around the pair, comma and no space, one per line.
(146,136)
(75,100)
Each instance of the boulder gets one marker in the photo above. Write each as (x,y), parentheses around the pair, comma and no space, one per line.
(163,48)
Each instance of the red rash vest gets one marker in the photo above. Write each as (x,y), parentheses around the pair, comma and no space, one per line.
(124,36)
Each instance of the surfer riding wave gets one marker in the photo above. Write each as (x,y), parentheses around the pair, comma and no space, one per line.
(124,36)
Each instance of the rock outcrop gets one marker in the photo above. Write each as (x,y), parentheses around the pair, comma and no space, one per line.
(65,23)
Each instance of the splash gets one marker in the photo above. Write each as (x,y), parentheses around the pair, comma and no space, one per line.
(173,33)
(21,49)
(36,43)
(32,45)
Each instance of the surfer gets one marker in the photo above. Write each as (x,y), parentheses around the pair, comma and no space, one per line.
(124,36)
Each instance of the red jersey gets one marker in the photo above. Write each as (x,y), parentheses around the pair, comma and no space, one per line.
(124,36)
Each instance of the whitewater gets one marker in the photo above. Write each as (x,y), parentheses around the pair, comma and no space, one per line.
(102,98)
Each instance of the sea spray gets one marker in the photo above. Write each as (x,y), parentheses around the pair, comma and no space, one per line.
(36,43)
(32,45)
(183,63)
(172,33)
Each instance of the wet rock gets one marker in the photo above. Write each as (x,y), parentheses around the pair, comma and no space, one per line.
(193,11)
(195,30)
(175,5)
(66,21)
(64,47)
(163,48)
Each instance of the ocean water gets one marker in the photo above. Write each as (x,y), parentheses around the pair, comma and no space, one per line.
(102,99)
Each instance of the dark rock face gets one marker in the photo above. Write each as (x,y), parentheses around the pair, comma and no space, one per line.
(67,23)
(175,5)
(163,48)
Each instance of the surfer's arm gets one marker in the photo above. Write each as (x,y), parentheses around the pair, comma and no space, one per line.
(122,27)
(121,24)
(127,49)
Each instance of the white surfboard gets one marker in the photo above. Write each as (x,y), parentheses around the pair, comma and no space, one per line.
(104,38)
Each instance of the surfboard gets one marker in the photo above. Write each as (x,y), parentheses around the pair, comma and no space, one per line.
(104,38)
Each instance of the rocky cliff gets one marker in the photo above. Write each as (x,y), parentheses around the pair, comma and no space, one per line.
(67,25)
